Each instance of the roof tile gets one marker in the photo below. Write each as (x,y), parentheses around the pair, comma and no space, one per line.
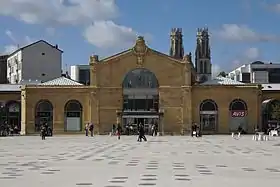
(61,81)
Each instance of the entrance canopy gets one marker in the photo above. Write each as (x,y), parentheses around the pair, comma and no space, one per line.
(140,116)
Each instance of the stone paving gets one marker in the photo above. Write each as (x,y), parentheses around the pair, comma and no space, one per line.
(104,161)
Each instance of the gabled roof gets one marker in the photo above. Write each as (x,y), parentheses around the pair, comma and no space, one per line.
(23,47)
(140,44)
(61,81)
(222,81)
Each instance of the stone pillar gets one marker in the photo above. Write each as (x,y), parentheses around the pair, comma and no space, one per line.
(23,113)
(187,107)
(93,75)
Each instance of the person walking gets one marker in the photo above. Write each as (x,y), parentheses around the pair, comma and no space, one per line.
(43,131)
(91,129)
(142,133)
(119,131)
(86,129)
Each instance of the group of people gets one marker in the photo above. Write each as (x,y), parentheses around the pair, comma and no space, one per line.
(89,128)
(195,130)
(117,130)
(9,129)
(46,130)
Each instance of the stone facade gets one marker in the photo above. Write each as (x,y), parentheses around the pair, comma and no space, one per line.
(179,96)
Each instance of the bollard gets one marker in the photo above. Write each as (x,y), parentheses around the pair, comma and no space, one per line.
(254,138)
(232,134)
(260,138)
(239,134)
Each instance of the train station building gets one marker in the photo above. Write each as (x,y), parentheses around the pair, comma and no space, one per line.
(141,85)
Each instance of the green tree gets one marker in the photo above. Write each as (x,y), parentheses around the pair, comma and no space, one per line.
(222,74)
(275,111)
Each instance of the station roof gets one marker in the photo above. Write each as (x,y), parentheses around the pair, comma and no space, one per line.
(61,81)
(222,81)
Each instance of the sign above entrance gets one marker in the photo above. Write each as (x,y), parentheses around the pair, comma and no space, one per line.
(235,114)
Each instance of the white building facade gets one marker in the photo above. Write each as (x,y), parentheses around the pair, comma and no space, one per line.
(80,73)
(37,61)
(257,72)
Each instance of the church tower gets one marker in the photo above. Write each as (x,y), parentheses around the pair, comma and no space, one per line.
(176,43)
(203,55)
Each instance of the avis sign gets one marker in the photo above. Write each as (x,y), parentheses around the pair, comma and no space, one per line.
(239,114)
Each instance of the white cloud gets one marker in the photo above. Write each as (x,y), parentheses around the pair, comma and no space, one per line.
(59,11)
(248,56)
(107,34)
(15,42)
(242,33)
(102,33)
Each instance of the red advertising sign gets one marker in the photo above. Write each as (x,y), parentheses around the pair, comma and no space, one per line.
(238,113)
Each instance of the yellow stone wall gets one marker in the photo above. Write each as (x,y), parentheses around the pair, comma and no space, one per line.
(9,96)
(171,75)
(58,96)
(223,96)
(270,95)
(178,98)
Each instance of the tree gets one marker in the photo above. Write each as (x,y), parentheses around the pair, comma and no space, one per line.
(222,74)
(275,111)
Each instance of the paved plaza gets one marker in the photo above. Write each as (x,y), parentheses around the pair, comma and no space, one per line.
(104,161)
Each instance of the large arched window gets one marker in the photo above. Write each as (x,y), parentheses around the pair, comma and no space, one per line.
(238,115)
(43,114)
(73,115)
(208,115)
(140,78)
(238,107)
(140,97)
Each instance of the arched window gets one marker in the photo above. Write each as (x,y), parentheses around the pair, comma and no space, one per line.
(13,114)
(238,104)
(238,113)
(140,78)
(208,105)
(140,97)
(43,114)
(208,115)
(73,115)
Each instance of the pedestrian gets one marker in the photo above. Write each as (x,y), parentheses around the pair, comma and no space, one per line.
(141,133)
(119,130)
(43,132)
(91,129)
(86,129)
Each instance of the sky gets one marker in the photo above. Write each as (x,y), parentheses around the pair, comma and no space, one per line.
(241,31)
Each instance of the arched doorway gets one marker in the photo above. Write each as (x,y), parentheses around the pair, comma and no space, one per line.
(208,115)
(238,112)
(140,98)
(43,114)
(13,114)
(270,114)
(73,112)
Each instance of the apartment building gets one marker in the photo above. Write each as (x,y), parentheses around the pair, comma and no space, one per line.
(37,61)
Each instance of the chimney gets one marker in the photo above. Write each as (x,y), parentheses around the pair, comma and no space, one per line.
(56,46)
